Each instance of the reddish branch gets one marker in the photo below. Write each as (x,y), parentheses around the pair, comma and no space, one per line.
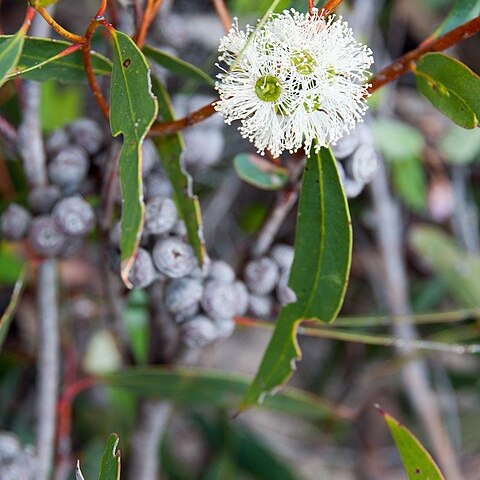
(151,10)
(331,5)
(403,64)
(223,14)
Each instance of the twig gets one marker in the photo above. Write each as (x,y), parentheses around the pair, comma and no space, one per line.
(403,65)
(149,14)
(331,5)
(223,14)
(415,376)
(58,28)
(47,366)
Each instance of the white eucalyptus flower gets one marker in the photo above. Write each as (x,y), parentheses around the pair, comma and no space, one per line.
(298,79)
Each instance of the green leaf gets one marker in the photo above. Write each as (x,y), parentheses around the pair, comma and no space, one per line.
(7,315)
(10,265)
(133,109)
(459,270)
(408,178)
(418,463)
(200,387)
(10,51)
(170,148)
(39,61)
(451,87)
(43,3)
(176,65)
(319,276)
(259,172)
(462,12)
(110,467)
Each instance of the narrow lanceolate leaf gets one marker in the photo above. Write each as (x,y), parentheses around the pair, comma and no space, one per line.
(39,61)
(201,387)
(319,276)
(10,51)
(177,66)
(451,87)
(260,173)
(458,269)
(110,467)
(170,148)
(417,462)
(462,12)
(7,315)
(133,109)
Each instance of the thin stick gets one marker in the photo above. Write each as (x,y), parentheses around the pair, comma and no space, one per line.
(223,13)
(47,366)
(58,28)
(149,15)
(331,5)
(403,65)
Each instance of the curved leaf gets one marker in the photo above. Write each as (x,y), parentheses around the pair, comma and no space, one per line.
(170,148)
(39,61)
(200,387)
(260,173)
(10,51)
(177,65)
(462,12)
(132,111)
(319,275)
(110,467)
(418,463)
(451,87)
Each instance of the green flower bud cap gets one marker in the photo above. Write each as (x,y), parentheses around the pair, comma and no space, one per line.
(268,88)
(304,62)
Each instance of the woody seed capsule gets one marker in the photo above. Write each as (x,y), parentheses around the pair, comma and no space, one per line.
(74,216)
(14,222)
(160,215)
(173,257)
(261,275)
(45,236)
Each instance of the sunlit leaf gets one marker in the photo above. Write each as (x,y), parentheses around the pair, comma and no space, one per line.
(170,148)
(320,270)
(418,463)
(133,108)
(177,65)
(199,387)
(38,61)
(451,87)
(110,467)
(260,173)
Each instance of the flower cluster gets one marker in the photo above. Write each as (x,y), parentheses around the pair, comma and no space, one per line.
(296,80)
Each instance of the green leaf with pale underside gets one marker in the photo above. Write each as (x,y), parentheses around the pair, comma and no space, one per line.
(418,463)
(319,275)
(461,12)
(133,109)
(259,172)
(170,148)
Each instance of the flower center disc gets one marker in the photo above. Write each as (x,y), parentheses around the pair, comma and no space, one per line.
(303,62)
(268,88)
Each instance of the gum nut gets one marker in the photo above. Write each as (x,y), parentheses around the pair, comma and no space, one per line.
(182,294)
(261,275)
(9,447)
(352,188)
(160,215)
(221,271)
(283,254)
(346,145)
(285,294)
(198,332)
(363,164)
(14,222)
(57,141)
(69,167)
(242,295)
(173,257)
(114,235)
(187,314)
(203,146)
(71,246)
(41,199)
(225,328)
(219,300)
(45,236)
(142,273)
(149,156)
(74,216)
(156,185)
(88,134)
(260,306)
